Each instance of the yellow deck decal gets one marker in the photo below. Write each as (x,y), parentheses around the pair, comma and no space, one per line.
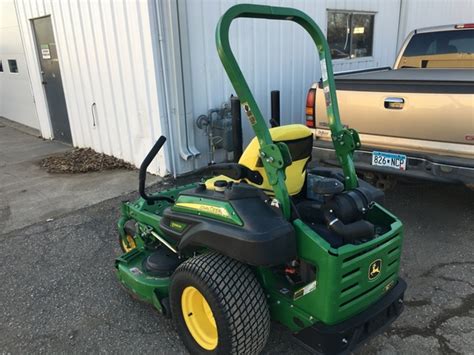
(220,211)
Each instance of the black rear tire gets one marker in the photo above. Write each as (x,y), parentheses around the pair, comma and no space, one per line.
(235,297)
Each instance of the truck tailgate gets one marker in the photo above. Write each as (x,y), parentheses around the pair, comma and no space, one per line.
(434,105)
(436,117)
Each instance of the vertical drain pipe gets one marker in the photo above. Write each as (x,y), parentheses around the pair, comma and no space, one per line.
(236,127)
(184,77)
(275,104)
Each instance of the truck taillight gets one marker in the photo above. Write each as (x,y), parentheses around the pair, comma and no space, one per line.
(310,109)
(464,25)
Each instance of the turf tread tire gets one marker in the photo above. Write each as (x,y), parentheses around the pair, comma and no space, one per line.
(236,299)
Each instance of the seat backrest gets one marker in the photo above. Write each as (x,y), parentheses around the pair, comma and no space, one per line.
(299,139)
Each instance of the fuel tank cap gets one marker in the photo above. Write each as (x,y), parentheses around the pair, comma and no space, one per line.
(220,185)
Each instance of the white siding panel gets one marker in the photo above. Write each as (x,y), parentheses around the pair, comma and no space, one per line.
(16,97)
(111,54)
(107,63)
(427,13)
(272,55)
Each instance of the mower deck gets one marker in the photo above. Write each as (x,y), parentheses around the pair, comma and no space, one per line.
(133,277)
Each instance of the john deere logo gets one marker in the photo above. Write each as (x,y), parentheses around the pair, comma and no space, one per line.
(374,269)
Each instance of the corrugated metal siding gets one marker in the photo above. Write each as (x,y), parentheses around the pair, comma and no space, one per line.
(106,57)
(427,13)
(273,55)
(146,83)
(16,97)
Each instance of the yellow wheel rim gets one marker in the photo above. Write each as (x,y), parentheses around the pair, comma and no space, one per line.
(199,318)
(128,243)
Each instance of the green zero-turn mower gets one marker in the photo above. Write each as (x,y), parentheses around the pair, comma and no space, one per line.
(267,238)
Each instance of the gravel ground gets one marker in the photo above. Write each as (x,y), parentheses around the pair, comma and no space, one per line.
(59,293)
(82,160)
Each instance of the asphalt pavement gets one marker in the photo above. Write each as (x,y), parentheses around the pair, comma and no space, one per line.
(29,194)
(59,293)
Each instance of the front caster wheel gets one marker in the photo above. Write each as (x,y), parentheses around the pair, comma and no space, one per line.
(218,306)
(127,242)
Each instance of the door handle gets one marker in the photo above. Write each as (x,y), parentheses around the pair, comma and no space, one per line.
(44,82)
(393,103)
(93,107)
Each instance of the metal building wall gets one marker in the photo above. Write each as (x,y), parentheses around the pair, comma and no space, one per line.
(427,13)
(273,55)
(151,66)
(16,97)
(107,57)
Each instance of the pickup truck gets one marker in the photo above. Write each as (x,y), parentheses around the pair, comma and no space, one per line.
(415,120)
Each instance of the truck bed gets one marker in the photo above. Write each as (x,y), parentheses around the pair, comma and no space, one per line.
(409,80)
(422,110)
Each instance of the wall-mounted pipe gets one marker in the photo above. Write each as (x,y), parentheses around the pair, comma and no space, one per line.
(185,56)
(236,127)
(163,84)
(275,105)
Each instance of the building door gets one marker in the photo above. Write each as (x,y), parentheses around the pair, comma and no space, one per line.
(51,76)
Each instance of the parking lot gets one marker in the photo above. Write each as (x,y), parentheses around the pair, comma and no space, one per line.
(59,293)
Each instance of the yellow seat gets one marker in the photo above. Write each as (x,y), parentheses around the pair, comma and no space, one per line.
(300,143)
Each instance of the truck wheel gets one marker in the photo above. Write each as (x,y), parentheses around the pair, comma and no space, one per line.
(218,306)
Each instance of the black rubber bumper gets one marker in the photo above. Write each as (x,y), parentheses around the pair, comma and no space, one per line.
(344,337)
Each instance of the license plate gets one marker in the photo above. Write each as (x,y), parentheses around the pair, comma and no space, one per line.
(389,160)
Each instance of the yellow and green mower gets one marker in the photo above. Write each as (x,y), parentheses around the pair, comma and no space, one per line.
(267,238)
